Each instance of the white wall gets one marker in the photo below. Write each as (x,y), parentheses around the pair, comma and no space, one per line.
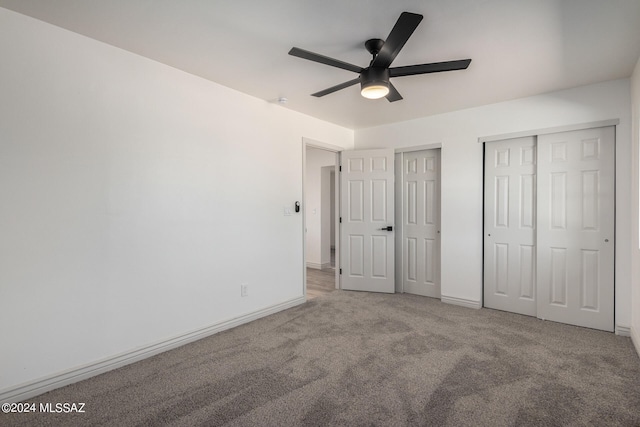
(316,212)
(458,132)
(135,200)
(635,208)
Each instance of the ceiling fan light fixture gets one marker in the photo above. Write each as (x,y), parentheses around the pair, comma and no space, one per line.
(374,83)
(375,91)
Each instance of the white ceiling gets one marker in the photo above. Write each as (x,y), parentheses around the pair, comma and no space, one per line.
(519,47)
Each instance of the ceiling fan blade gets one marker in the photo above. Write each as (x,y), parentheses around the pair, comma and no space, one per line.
(336,88)
(393,94)
(305,54)
(405,26)
(434,67)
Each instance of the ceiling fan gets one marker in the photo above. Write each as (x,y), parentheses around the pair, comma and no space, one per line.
(374,80)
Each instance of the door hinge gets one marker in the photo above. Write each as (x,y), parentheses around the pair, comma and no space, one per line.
(340,271)
(340,170)
(340,220)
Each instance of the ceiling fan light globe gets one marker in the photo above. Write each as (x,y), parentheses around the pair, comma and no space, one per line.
(375,91)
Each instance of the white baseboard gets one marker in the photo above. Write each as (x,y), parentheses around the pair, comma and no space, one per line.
(34,388)
(623,331)
(317,266)
(461,302)
(635,339)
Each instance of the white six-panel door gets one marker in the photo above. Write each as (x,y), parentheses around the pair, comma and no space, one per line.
(509,225)
(421,223)
(576,228)
(549,227)
(367,209)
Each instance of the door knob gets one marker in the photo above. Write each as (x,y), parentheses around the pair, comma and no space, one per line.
(388,228)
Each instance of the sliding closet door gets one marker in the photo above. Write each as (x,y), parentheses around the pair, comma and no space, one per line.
(549,227)
(421,223)
(575,256)
(509,225)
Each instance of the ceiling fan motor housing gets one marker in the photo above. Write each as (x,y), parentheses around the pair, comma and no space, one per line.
(374,76)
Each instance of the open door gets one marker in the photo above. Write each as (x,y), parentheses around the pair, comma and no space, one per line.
(367,220)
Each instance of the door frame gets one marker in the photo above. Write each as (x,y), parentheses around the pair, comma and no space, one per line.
(310,143)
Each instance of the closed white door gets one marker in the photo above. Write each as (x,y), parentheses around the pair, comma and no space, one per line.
(421,223)
(549,227)
(576,199)
(367,220)
(509,225)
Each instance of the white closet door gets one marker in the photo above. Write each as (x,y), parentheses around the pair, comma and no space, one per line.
(575,256)
(509,225)
(421,223)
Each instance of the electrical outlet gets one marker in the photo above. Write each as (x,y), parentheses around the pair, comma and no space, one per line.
(244,290)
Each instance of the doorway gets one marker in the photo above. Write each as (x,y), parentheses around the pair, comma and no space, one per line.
(360,186)
(319,218)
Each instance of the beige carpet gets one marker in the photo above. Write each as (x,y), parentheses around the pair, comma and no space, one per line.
(356,359)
